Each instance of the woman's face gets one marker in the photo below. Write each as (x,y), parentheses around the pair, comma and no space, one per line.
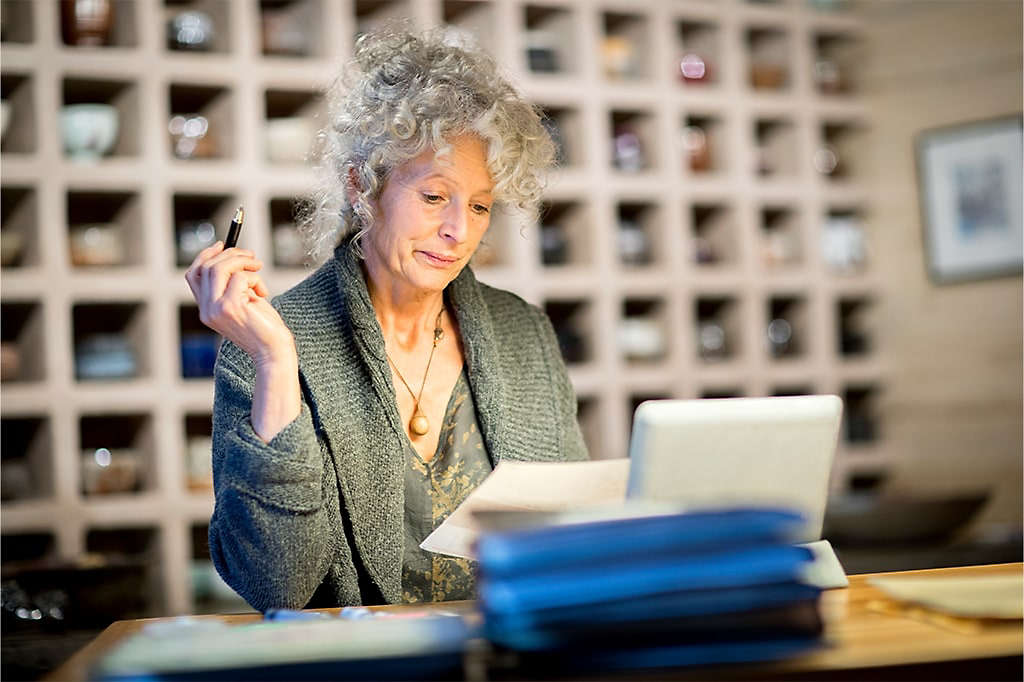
(430,218)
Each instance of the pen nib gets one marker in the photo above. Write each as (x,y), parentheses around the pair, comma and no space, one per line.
(239,215)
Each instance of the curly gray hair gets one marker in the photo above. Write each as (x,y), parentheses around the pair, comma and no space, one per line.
(402,93)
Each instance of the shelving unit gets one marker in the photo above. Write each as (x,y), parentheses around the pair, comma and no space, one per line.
(687,214)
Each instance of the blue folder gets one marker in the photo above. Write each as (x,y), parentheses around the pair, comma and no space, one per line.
(642,578)
(678,604)
(787,621)
(518,552)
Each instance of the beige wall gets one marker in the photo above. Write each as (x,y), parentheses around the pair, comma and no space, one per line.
(952,402)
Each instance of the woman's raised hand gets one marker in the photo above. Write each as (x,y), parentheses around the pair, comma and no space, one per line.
(233,302)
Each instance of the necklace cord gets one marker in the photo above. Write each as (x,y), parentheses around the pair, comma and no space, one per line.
(438,335)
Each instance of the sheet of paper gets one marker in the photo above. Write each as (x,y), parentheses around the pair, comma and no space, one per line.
(531,486)
(997,596)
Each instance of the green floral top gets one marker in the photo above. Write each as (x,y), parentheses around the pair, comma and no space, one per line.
(433,490)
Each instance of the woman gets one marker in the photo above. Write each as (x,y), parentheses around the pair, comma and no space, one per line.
(354,412)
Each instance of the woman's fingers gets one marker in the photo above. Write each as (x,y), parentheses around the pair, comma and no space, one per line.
(215,273)
(226,309)
(192,273)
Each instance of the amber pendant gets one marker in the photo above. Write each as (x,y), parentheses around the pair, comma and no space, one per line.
(419,424)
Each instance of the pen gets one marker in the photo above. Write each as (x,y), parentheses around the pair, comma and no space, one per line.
(235,229)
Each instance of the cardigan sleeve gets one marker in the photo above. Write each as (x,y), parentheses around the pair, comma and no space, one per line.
(572,446)
(269,536)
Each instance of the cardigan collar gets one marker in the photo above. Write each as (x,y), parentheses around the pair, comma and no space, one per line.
(335,325)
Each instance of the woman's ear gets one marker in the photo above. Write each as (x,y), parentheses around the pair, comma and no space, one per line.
(353,187)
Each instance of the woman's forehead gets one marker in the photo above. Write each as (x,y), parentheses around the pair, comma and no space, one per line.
(464,160)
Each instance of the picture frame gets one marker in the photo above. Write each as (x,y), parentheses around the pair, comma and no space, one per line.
(969,184)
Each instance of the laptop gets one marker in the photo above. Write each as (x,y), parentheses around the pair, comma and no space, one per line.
(741,451)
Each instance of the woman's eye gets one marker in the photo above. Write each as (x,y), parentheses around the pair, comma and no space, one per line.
(481,209)
(432,198)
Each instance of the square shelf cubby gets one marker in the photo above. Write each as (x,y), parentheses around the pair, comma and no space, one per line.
(113,23)
(110,340)
(19,227)
(19,114)
(633,143)
(775,147)
(196,221)
(565,126)
(18,25)
(843,241)
(643,335)
(565,234)
(624,46)
(104,228)
(198,26)
(118,453)
(836,152)
(640,234)
(705,143)
(292,28)
(292,120)
(715,235)
(198,452)
(781,237)
(835,56)
(721,392)
(132,584)
(475,17)
(25,548)
(787,326)
(698,51)
(791,390)
(21,350)
(769,57)
(574,328)
(210,594)
(718,325)
(371,15)
(27,452)
(855,325)
(860,415)
(198,344)
(202,121)
(288,247)
(588,414)
(100,118)
(550,42)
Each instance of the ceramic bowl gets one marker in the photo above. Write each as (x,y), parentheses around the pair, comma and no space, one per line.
(289,139)
(105,356)
(107,471)
(98,244)
(641,338)
(5,117)
(12,243)
(89,131)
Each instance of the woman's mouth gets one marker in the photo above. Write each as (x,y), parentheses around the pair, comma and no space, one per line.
(438,260)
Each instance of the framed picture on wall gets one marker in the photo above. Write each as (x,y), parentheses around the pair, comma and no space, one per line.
(969,180)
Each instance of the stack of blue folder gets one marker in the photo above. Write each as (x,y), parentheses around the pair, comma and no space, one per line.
(655,591)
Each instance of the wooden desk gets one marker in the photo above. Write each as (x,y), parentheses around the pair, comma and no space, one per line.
(862,642)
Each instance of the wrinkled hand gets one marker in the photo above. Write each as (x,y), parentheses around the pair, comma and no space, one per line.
(233,302)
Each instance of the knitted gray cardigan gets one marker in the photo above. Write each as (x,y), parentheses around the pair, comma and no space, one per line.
(314,518)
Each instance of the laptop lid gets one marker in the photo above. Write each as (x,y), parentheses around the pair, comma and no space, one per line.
(737,451)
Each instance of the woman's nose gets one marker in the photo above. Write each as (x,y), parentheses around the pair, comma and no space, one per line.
(455,222)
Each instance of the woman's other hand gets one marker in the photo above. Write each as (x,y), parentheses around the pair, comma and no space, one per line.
(233,302)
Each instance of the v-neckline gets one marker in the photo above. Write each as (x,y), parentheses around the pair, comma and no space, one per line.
(437,448)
